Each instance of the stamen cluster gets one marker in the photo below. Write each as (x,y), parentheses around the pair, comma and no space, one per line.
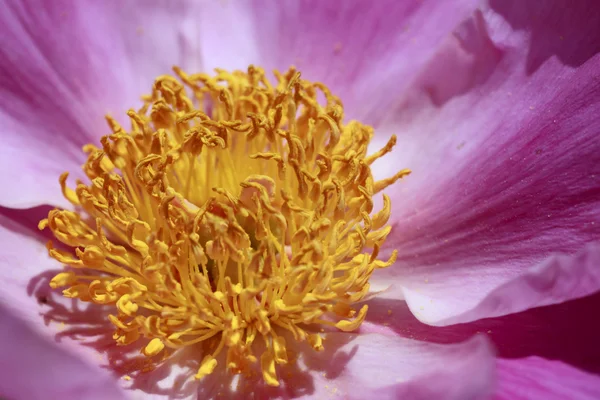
(232,211)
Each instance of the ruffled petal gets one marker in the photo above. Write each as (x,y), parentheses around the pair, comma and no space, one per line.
(501,134)
(34,367)
(557,279)
(64,65)
(537,378)
(564,332)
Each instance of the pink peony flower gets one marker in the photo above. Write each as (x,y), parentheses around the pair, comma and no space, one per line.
(495,107)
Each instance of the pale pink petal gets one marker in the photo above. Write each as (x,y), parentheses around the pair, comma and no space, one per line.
(557,279)
(501,133)
(384,367)
(64,65)
(535,378)
(26,270)
(23,265)
(34,367)
(227,35)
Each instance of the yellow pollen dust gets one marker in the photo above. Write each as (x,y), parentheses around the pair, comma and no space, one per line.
(232,212)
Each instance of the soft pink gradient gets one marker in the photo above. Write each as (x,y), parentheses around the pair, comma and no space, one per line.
(496,109)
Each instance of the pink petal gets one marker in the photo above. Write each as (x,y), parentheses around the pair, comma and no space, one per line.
(367,52)
(537,378)
(36,368)
(26,269)
(559,278)
(65,65)
(505,190)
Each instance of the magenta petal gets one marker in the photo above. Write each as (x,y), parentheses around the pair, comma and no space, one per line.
(505,190)
(535,378)
(35,368)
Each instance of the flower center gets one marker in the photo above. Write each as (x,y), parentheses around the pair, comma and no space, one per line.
(232,212)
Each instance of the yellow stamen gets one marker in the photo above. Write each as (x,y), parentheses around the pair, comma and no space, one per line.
(154,347)
(207,366)
(231,210)
(63,279)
